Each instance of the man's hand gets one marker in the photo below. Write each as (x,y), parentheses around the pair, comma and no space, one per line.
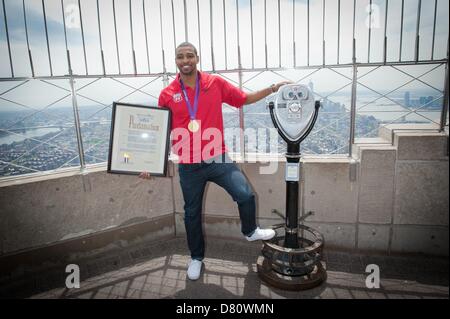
(145,175)
(276,87)
(254,97)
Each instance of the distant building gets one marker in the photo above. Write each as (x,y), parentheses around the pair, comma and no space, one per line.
(426,100)
(407,100)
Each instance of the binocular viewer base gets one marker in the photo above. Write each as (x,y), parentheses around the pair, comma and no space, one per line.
(293,268)
(293,283)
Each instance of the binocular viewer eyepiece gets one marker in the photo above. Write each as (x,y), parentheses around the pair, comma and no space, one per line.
(294,112)
(294,92)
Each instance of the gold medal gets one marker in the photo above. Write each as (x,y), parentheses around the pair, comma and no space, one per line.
(193,126)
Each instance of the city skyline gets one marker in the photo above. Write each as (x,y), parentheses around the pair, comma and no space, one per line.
(57,147)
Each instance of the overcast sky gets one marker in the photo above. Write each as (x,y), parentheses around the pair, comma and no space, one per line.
(227,29)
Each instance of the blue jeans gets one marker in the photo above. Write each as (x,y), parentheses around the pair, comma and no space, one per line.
(193,179)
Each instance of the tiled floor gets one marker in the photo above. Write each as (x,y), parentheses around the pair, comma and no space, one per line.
(159,271)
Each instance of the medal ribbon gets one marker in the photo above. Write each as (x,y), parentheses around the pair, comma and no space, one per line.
(192,110)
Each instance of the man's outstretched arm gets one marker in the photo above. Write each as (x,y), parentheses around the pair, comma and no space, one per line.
(253,97)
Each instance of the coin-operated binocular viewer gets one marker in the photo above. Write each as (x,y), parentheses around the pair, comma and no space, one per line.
(292,259)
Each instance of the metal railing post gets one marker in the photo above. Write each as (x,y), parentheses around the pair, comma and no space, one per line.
(353,103)
(76,116)
(7,40)
(445,100)
(241,111)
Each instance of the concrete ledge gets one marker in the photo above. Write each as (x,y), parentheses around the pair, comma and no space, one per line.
(387,132)
(421,146)
(370,142)
(358,149)
(152,230)
(48,175)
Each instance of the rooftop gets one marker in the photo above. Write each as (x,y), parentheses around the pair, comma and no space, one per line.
(374,170)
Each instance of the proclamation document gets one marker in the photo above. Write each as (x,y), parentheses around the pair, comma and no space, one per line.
(139,140)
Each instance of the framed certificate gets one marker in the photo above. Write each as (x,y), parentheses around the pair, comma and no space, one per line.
(139,140)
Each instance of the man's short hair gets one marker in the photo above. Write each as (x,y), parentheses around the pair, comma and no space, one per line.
(187,44)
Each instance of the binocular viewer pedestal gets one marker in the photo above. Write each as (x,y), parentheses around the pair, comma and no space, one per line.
(292,268)
(292,259)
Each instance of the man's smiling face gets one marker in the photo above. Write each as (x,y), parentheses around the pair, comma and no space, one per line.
(186,60)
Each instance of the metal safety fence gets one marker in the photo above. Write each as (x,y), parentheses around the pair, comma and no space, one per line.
(64,62)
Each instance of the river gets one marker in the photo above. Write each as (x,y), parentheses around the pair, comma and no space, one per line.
(20,136)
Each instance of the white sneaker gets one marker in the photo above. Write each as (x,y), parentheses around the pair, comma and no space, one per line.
(261,234)
(194,270)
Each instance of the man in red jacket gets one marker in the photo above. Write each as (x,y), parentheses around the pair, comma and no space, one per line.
(195,99)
